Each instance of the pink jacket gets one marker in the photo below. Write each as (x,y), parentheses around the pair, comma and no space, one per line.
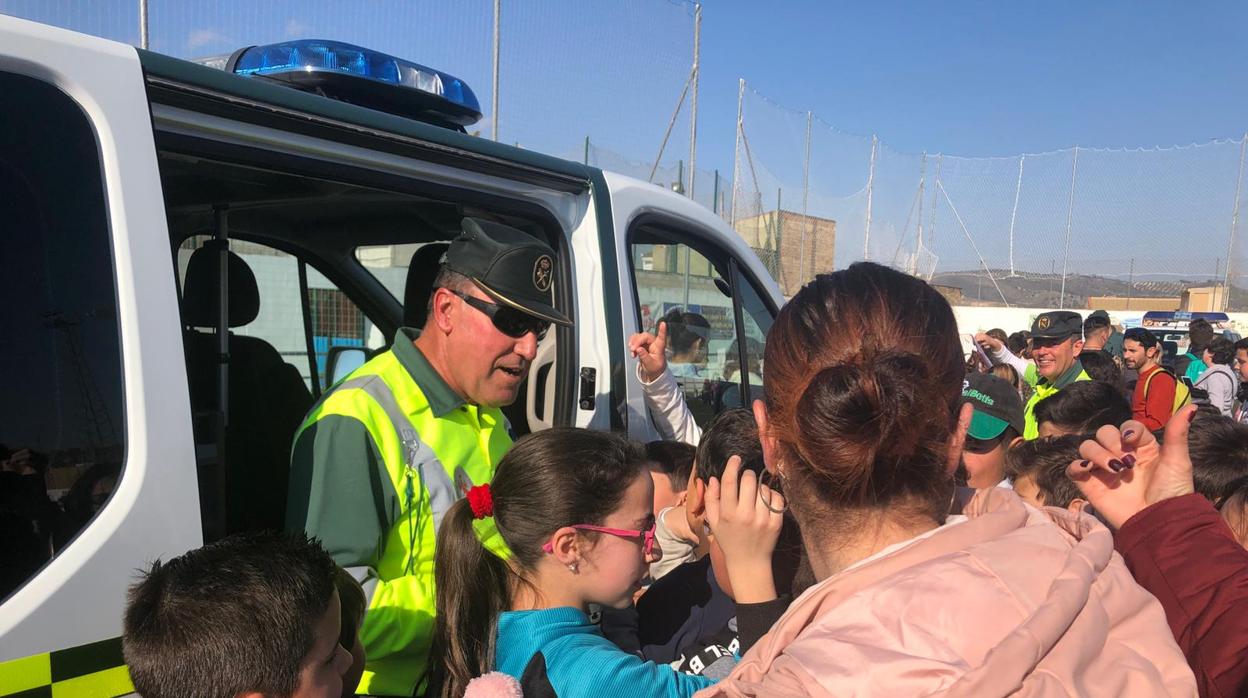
(1004,603)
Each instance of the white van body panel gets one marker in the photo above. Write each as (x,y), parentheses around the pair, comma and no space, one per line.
(154,510)
(632,198)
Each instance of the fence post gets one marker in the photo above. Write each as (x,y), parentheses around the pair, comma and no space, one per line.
(918,237)
(143,35)
(801,257)
(693,105)
(498,13)
(778,240)
(1018,189)
(1070,212)
(715,198)
(866,235)
(736,156)
(1230,243)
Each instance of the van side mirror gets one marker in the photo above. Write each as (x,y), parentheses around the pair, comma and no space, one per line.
(341,361)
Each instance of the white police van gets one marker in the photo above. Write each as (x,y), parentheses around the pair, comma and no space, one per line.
(191,254)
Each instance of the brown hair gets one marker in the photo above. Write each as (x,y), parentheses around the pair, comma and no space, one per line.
(862,375)
(549,479)
(1046,460)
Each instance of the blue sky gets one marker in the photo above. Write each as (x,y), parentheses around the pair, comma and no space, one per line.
(961,78)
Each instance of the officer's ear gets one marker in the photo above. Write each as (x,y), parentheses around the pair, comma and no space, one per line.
(442,309)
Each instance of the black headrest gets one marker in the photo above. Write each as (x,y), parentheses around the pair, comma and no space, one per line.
(201,290)
(421,272)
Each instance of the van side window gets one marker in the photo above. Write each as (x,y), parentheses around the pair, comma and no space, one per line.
(62,428)
(678,284)
(275,366)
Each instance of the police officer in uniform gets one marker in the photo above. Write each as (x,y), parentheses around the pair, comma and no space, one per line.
(1056,340)
(383,455)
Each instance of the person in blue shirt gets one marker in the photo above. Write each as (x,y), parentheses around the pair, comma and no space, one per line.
(575,510)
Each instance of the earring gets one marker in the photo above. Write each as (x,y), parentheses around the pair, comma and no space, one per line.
(572,567)
(778,486)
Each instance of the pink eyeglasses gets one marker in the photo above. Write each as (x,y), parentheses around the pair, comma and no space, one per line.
(647,536)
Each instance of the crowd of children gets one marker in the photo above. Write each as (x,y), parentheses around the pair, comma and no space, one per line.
(877,524)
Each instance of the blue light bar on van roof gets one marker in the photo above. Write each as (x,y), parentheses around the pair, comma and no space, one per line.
(363,76)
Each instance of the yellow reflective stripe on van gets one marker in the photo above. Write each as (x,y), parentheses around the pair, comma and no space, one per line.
(19,675)
(96,670)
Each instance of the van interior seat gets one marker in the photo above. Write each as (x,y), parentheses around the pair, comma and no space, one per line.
(267,397)
(422,271)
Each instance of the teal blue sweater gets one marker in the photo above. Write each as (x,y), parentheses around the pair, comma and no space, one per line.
(579,660)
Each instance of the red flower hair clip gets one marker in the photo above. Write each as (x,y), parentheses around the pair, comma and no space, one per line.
(481,501)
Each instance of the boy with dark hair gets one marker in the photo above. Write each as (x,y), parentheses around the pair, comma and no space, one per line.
(1240,364)
(1190,365)
(249,616)
(996,426)
(1082,408)
(1219,451)
(1217,384)
(670,463)
(690,618)
(1038,469)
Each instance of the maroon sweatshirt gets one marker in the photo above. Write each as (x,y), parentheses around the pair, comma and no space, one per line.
(1182,551)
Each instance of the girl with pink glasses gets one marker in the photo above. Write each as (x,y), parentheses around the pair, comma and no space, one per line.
(575,508)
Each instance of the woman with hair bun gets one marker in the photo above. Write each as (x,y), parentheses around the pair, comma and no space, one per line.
(861,425)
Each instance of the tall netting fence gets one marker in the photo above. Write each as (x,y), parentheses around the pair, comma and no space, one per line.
(1066,228)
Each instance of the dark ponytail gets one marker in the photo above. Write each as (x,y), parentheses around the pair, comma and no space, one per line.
(548,480)
(473,587)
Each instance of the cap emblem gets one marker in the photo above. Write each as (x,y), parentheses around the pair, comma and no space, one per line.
(1044,322)
(542,273)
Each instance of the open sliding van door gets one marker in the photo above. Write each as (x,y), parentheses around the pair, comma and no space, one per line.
(96,454)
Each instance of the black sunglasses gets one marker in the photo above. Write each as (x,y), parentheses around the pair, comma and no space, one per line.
(511,322)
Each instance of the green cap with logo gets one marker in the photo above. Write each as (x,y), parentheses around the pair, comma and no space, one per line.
(997,406)
(510,266)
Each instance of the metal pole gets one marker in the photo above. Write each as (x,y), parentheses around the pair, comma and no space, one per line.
(715,198)
(801,257)
(1131,284)
(931,229)
(777,263)
(1230,243)
(971,240)
(143,34)
(688,254)
(918,238)
(693,105)
(498,14)
(736,156)
(1070,212)
(586,150)
(1018,189)
(668,134)
(866,235)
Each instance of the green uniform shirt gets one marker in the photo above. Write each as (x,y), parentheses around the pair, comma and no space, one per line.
(1044,389)
(375,498)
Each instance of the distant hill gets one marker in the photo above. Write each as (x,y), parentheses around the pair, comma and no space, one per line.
(1044,290)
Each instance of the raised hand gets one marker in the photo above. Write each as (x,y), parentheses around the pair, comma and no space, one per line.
(1124,470)
(650,351)
(989,344)
(745,517)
